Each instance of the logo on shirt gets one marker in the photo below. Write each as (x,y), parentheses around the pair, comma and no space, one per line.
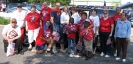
(12,34)
(32,18)
(44,13)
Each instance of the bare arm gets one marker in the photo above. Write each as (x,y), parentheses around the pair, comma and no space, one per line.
(112,28)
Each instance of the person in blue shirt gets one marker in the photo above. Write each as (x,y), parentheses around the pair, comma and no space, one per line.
(55,20)
(122,35)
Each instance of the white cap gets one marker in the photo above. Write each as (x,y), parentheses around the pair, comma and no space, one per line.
(87,20)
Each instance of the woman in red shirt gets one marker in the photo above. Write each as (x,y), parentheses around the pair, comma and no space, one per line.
(32,25)
(106,29)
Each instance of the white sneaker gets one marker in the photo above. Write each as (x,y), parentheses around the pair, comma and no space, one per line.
(71,55)
(77,56)
(123,60)
(115,54)
(102,54)
(30,46)
(117,58)
(107,56)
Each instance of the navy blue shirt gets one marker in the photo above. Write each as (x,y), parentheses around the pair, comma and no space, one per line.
(56,17)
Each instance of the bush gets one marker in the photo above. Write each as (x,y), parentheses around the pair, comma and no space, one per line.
(4,21)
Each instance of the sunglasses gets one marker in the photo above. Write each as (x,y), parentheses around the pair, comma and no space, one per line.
(105,13)
(19,7)
(14,22)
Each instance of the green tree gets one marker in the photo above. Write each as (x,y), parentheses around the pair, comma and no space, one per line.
(63,2)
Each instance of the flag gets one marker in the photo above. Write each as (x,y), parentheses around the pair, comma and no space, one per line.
(104,6)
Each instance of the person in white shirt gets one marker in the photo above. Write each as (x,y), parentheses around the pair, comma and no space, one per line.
(75,15)
(12,34)
(20,15)
(95,20)
(64,20)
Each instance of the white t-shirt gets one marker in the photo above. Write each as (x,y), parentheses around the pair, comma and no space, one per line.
(96,22)
(20,17)
(76,17)
(11,32)
(64,17)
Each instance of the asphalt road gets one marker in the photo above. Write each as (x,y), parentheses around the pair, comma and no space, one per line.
(59,58)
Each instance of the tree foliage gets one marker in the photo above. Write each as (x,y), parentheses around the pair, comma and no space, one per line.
(63,2)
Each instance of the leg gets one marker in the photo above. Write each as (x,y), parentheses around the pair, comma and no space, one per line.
(124,48)
(118,41)
(107,47)
(18,43)
(62,37)
(69,46)
(74,46)
(36,31)
(22,33)
(30,38)
(101,42)
(5,45)
(95,44)
(50,43)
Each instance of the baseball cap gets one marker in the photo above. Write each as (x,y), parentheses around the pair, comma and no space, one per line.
(87,20)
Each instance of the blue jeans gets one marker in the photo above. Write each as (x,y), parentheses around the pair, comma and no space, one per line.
(73,41)
(57,27)
(83,50)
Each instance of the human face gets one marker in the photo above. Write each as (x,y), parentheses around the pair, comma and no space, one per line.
(13,22)
(105,14)
(83,16)
(93,12)
(48,23)
(65,9)
(123,16)
(33,9)
(45,4)
(118,10)
(57,5)
(71,21)
(19,8)
(86,24)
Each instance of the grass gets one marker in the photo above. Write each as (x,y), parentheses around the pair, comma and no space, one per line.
(4,21)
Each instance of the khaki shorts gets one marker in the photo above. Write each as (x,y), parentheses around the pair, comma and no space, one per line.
(88,45)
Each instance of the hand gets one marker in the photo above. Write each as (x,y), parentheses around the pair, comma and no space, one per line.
(10,40)
(110,35)
(127,39)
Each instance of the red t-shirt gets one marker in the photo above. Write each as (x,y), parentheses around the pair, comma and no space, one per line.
(72,28)
(116,17)
(87,34)
(105,25)
(33,20)
(45,13)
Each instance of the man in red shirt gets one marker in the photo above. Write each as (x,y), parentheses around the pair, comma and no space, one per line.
(45,13)
(115,18)
(32,25)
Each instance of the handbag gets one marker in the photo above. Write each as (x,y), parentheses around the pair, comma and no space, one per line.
(108,41)
(10,49)
(79,46)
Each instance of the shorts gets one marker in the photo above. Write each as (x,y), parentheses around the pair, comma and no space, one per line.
(88,45)
(40,47)
(32,35)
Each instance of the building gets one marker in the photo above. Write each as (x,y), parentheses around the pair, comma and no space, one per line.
(99,2)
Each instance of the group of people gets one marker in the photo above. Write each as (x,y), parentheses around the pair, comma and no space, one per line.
(77,29)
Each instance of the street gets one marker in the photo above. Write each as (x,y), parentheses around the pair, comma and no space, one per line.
(59,58)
